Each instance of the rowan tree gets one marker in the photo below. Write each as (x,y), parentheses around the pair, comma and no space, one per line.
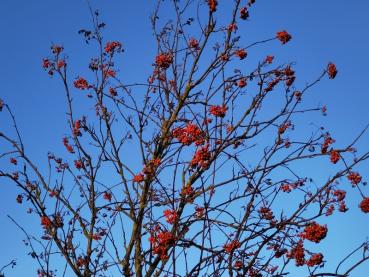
(216,185)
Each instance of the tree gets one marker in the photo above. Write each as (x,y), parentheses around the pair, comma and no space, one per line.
(217,158)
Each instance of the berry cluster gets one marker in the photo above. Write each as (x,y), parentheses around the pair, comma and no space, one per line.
(189,134)
(283,37)
(314,232)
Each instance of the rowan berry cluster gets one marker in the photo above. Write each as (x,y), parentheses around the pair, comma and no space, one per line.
(218,111)
(327,142)
(139,178)
(288,187)
(283,37)
(107,196)
(314,232)
(266,213)
(67,145)
(171,216)
(193,43)
(332,70)
(364,205)
(272,84)
(151,166)
(160,241)
(46,222)
(334,156)
(79,164)
(315,260)
(81,83)
(282,128)
(244,13)
(189,134)
(77,128)
(289,76)
(199,212)
(113,46)
(242,83)
(56,63)
(164,60)
(298,253)
(13,161)
(231,246)
(201,157)
(241,53)
(354,177)
(212,5)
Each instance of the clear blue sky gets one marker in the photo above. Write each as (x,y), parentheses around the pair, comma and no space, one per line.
(322,31)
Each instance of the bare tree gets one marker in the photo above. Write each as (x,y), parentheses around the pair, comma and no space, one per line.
(216,160)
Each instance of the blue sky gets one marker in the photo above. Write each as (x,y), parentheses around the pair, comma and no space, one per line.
(322,31)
